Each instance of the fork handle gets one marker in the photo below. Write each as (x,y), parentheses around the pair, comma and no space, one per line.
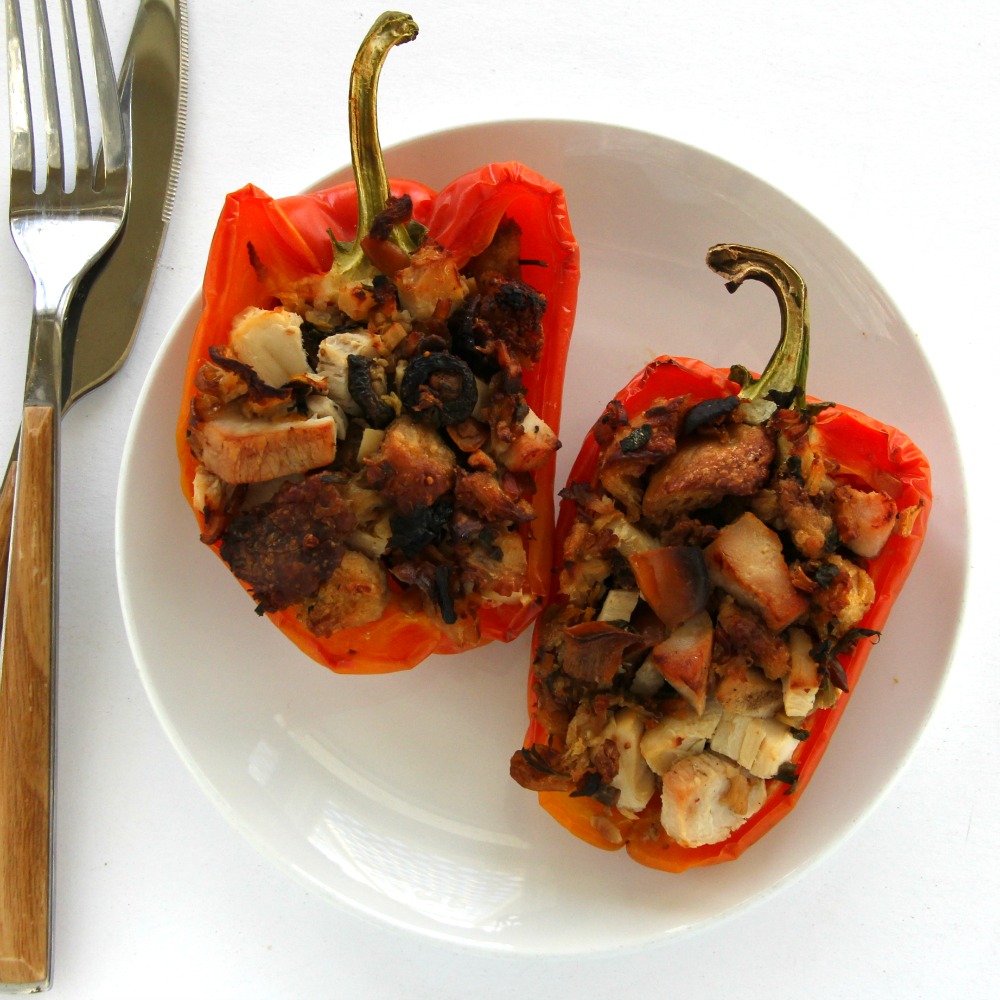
(27,708)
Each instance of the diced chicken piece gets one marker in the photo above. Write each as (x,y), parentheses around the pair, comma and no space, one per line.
(841,605)
(332,364)
(634,779)
(738,738)
(864,520)
(270,342)
(747,562)
(647,680)
(759,745)
(618,606)
(209,490)
(412,467)
(744,690)
(684,659)
(241,450)
(371,441)
(682,732)
(631,540)
(775,749)
(802,682)
(323,406)
(372,540)
(432,277)
(798,444)
(355,301)
(530,450)
(697,804)
(704,470)
(673,581)
(355,594)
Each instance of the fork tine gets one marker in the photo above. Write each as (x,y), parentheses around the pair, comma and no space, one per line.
(50,96)
(113,145)
(81,123)
(21,141)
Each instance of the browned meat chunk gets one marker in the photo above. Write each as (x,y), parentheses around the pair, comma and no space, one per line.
(482,493)
(513,311)
(413,467)
(704,470)
(743,632)
(810,525)
(285,548)
(634,447)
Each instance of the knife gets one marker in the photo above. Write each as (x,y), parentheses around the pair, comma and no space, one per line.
(108,307)
(107,311)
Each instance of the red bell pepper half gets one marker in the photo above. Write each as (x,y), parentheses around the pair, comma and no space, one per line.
(740,507)
(363,236)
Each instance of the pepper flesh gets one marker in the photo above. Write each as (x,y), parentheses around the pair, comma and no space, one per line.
(864,450)
(264,245)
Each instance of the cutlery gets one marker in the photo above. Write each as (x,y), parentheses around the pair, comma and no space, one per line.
(60,230)
(109,304)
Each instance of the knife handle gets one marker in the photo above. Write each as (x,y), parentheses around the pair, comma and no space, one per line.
(27,709)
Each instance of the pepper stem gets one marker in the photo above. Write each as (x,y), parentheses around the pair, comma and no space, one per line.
(782,384)
(391,28)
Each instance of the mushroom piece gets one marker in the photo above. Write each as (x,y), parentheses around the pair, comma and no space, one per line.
(439,389)
(367,385)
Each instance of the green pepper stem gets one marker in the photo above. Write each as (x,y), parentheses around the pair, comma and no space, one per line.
(391,28)
(783,382)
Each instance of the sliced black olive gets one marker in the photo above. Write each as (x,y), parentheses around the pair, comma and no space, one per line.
(366,384)
(708,410)
(439,389)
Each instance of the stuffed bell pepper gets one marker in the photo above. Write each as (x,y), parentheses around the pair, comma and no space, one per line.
(371,401)
(730,551)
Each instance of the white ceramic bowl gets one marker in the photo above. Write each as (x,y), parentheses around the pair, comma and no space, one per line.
(390,794)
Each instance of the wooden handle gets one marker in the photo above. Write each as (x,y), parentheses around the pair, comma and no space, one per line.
(27,703)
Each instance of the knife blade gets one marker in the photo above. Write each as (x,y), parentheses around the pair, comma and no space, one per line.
(153,95)
(108,308)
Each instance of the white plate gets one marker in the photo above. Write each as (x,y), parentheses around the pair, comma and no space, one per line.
(390,794)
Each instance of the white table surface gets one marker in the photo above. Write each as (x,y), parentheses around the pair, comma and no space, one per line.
(882,118)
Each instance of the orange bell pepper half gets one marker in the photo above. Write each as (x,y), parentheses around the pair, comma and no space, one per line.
(263,246)
(863,452)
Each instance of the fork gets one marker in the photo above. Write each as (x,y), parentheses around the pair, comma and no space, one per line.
(60,230)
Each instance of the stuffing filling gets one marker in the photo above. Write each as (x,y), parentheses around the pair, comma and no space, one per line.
(713,574)
(369,437)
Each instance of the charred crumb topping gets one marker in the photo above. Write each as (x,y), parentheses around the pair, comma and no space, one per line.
(370,435)
(712,576)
